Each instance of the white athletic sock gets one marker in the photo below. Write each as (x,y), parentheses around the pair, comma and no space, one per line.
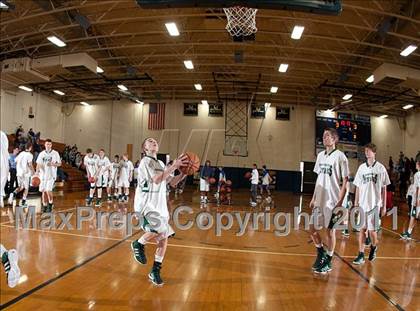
(158,258)
(142,240)
(410,230)
(318,245)
(330,253)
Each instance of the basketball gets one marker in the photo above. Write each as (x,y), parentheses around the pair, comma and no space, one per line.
(91,179)
(248,175)
(35,181)
(222,189)
(193,164)
(212,180)
(228,183)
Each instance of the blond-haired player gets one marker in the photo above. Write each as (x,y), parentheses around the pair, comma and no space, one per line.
(151,202)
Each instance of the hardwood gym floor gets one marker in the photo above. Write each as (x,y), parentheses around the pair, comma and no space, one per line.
(92,269)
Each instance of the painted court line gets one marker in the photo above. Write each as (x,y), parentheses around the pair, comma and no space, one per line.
(248,251)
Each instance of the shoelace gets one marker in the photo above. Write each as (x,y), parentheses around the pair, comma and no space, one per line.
(7,266)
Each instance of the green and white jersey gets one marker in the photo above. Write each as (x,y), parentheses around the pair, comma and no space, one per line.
(371,180)
(151,196)
(52,157)
(103,165)
(126,169)
(90,164)
(417,184)
(331,169)
(23,160)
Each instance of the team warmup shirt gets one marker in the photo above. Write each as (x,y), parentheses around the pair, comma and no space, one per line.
(22,163)
(417,184)
(126,167)
(103,165)
(254,177)
(4,162)
(115,167)
(371,180)
(332,168)
(48,172)
(265,177)
(152,197)
(90,163)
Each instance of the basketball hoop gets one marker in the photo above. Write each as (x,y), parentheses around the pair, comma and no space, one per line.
(241,21)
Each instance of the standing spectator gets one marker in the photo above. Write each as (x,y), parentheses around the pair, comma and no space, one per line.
(401,162)
(12,170)
(391,163)
(31,135)
(36,148)
(18,131)
(413,166)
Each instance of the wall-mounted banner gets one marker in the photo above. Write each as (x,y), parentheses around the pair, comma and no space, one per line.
(216,110)
(191,109)
(258,111)
(283,113)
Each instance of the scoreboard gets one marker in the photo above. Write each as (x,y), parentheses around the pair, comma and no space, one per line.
(354,131)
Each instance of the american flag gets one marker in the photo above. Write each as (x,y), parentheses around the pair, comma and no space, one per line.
(156,116)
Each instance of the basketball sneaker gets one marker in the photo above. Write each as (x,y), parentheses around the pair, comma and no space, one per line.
(325,266)
(319,258)
(98,202)
(360,259)
(406,235)
(109,199)
(154,275)
(49,208)
(345,232)
(372,253)
(138,252)
(89,201)
(10,264)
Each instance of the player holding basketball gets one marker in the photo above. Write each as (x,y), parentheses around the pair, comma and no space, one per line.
(24,171)
(90,162)
(371,180)
(332,169)
(126,175)
(205,173)
(151,202)
(114,172)
(47,162)
(415,206)
(103,166)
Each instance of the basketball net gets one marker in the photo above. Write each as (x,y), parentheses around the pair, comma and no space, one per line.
(241,21)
